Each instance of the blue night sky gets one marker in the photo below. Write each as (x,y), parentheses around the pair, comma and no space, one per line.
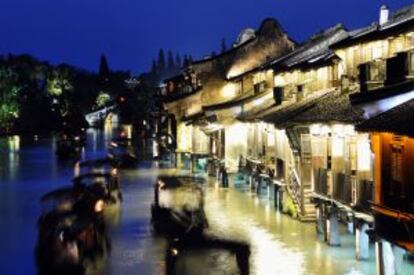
(130,32)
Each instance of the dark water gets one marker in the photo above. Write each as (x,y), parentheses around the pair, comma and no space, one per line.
(279,244)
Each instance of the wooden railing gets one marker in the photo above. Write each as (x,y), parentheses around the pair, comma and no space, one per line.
(295,189)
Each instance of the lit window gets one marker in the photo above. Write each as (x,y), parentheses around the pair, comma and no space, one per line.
(377,52)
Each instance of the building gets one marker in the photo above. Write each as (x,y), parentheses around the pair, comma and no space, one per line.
(283,118)
(392,138)
(191,97)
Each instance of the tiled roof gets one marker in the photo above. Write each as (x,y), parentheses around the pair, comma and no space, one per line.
(383,92)
(333,107)
(254,112)
(283,114)
(193,117)
(398,20)
(228,104)
(176,96)
(313,51)
(398,120)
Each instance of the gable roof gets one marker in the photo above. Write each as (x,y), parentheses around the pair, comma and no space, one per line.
(398,22)
(398,120)
(314,51)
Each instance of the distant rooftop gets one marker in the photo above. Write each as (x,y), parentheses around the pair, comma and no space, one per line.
(397,21)
(313,51)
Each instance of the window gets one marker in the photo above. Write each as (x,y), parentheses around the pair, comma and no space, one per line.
(259,77)
(259,88)
(300,93)
(411,63)
(376,52)
(278,95)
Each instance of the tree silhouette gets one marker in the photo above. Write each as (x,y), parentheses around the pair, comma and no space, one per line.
(186,61)
(161,61)
(223,45)
(154,67)
(171,63)
(178,61)
(104,68)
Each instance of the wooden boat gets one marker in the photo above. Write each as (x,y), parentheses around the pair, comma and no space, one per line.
(71,231)
(121,153)
(178,207)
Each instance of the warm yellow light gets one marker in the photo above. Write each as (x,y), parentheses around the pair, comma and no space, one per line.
(343,130)
(99,206)
(265,98)
(279,81)
(236,144)
(364,153)
(14,144)
(127,130)
(77,169)
(184,137)
(337,147)
(174,252)
(229,90)
(259,101)
(319,129)
(377,50)
(271,139)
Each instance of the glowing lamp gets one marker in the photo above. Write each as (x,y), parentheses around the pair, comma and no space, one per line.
(99,206)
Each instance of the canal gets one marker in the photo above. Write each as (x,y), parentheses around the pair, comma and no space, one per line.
(279,244)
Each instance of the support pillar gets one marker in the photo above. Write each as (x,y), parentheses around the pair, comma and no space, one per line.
(277,197)
(350,226)
(269,191)
(389,258)
(320,219)
(332,227)
(251,182)
(362,242)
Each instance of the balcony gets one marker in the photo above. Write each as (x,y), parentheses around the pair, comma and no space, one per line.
(394,225)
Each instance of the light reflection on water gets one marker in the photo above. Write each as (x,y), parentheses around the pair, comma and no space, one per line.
(279,244)
(9,147)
